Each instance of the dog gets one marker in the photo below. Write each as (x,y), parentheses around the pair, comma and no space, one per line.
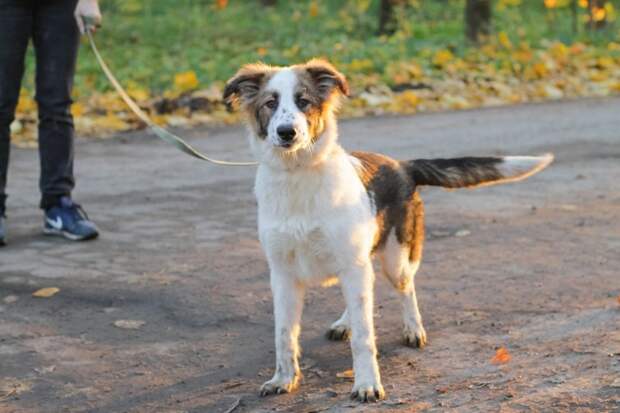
(324,213)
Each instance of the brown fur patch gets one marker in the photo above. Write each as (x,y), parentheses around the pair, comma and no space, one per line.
(320,86)
(398,205)
(246,89)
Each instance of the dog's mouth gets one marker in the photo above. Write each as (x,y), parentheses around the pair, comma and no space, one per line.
(288,147)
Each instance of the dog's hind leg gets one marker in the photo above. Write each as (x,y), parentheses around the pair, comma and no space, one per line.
(340,329)
(413,330)
(400,264)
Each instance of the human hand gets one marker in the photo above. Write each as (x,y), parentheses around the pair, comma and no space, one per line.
(88,15)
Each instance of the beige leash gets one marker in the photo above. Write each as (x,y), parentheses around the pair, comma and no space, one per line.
(162,133)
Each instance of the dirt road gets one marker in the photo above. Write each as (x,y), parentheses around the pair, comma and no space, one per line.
(533,267)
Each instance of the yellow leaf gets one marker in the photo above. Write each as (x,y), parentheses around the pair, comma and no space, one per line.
(551,4)
(77,109)
(314,9)
(559,50)
(110,122)
(26,104)
(45,292)
(138,94)
(261,51)
(610,11)
(347,374)
(185,81)
(221,4)
(504,40)
(406,101)
(605,62)
(442,57)
(599,14)
(501,356)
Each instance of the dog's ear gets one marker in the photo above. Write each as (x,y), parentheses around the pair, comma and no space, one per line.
(245,84)
(326,77)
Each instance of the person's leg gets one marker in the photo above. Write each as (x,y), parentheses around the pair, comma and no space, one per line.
(16,23)
(56,41)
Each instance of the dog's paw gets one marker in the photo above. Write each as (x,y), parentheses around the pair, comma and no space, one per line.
(414,337)
(278,386)
(338,333)
(366,393)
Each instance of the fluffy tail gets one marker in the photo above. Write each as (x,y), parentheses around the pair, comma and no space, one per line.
(475,171)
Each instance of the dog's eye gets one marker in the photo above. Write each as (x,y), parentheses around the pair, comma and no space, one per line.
(271,104)
(302,103)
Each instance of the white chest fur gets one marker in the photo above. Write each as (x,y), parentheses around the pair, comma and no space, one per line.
(314,222)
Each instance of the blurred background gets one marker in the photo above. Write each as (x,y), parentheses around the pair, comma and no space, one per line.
(401,56)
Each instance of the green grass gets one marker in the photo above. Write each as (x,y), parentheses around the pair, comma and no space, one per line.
(148,42)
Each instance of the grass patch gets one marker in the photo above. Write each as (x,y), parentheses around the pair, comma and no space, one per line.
(148,42)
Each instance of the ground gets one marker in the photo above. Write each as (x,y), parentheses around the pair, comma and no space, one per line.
(532,267)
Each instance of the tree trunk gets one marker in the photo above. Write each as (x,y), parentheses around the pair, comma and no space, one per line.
(387,19)
(477,19)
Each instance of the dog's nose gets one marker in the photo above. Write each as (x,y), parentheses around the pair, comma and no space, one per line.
(286,132)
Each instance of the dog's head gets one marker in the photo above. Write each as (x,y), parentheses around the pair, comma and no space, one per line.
(288,108)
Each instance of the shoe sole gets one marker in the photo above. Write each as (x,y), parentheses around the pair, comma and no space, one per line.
(68,235)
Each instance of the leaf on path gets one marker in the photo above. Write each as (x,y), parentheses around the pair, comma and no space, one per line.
(129,324)
(10,299)
(462,233)
(11,387)
(501,356)
(185,81)
(46,292)
(618,299)
(347,374)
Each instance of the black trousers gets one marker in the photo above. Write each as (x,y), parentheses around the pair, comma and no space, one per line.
(51,26)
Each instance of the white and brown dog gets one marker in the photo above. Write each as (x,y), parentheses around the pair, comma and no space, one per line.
(324,213)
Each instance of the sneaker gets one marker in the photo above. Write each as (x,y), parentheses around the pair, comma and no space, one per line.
(2,232)
(69,220)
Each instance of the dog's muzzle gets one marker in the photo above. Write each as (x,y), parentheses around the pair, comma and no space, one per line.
(287,135)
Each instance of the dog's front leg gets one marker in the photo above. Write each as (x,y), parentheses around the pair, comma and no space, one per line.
(357,286)
(288,296)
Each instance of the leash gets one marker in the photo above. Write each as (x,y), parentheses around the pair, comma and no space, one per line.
(160,132)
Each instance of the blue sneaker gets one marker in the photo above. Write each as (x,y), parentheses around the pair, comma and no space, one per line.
(2,232)
(70,221)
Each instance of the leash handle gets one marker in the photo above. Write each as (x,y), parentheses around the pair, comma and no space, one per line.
(90,24)
(160,132)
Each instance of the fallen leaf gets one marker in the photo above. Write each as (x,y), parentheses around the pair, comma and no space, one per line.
(185,81)
(501,356)
(442,57)
(9,299)
(314,9)
(129,324)
(45,292)
(462,233)
(347,374)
